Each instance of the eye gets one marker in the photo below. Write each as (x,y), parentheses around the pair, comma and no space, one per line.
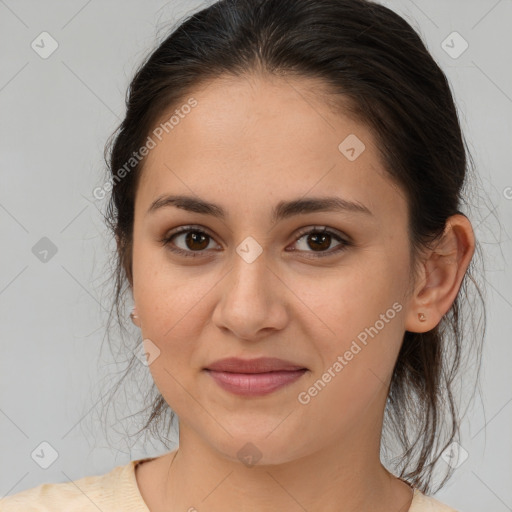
(320,239)
(196,240)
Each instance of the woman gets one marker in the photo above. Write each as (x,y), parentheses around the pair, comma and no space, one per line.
(286,202)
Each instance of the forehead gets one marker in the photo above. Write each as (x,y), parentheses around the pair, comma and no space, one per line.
(252,112)
(264,139)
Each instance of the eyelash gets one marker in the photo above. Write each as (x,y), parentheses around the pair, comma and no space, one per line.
(166,241)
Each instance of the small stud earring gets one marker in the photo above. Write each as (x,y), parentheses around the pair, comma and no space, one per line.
(422,317)
(133,316)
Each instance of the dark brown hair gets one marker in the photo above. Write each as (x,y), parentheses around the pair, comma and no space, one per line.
(375,63)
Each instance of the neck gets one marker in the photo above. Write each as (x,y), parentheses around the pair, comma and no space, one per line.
(339,478)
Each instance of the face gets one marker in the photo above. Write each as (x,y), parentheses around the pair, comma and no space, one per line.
(249,285)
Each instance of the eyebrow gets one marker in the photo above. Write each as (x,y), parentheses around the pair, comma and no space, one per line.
(283,209)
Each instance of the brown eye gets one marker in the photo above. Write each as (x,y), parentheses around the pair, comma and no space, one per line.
(193,241)
(319,240)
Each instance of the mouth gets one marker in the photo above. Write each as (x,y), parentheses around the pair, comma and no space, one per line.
(254,377)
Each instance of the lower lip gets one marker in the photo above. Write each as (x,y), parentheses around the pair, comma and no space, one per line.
(255,384)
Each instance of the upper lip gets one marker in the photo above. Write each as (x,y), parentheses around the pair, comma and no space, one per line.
(258,365)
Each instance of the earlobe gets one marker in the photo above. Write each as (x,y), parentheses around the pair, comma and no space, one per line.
(444,268)
(134,316)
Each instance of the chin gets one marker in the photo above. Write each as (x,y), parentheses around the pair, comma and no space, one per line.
(256,448)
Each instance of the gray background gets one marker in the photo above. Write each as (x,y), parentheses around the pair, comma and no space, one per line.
(56,114)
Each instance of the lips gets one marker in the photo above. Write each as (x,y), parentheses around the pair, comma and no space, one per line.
(254,377)
(259,365)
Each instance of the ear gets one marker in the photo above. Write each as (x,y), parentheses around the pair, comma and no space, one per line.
(442,271)
(135,316)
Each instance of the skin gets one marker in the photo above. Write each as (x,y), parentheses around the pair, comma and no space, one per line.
(248,144)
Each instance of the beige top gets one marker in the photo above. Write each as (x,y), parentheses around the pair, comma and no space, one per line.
(117,491)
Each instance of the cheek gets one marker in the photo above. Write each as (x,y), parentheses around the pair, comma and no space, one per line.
(166,295)
(169,310)
(169,314)
(358,314)
(357,360)
(351,298)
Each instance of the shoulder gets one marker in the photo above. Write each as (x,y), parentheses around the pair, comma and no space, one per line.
(98,492)
(423,503)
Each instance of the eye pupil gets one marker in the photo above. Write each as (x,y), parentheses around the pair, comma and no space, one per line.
(193,237)
(323,237)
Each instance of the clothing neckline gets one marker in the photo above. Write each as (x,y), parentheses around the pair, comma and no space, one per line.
(129,491)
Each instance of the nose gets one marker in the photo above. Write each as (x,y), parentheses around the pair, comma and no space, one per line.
(253,300)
